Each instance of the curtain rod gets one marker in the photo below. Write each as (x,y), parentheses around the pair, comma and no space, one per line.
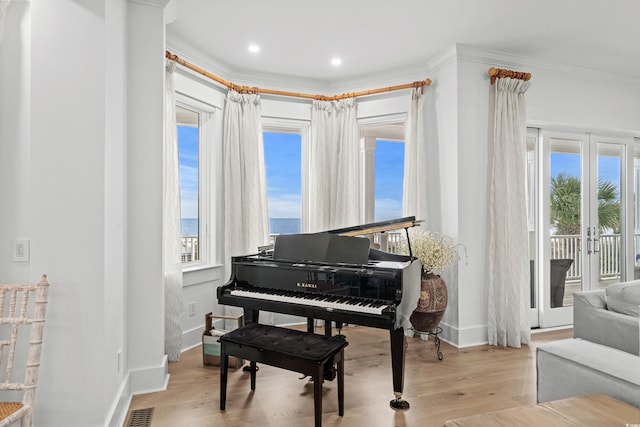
(247,89)
(496,73)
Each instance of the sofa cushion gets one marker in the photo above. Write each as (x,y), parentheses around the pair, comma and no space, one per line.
(624,297)
(576,367)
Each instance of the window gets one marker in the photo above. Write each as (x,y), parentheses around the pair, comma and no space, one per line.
(285,143)
(383,176)
(388,177)
(188,153)
(382,170)
(283,161)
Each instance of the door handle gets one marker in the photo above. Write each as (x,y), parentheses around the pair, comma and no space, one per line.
(589,241)
(596,241)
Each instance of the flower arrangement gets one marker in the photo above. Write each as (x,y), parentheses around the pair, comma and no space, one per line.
(435,251)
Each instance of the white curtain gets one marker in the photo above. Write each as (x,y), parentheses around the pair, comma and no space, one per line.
(509,293)
(4,4)
(334,169)
(414,196)
(245,186)
(172,226)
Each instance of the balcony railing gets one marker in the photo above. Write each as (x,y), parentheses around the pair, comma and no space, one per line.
(561,247)
(190,249)
(568,246)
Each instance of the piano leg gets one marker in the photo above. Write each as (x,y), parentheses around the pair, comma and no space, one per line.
(310,325)
(251,316)
(397,366)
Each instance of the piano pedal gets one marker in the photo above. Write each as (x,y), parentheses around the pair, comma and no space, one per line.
(247,368)
(303,377)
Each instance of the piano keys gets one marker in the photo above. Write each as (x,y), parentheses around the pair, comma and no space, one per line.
(333,277)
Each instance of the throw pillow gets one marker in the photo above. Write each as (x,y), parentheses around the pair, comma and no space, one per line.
(624,297)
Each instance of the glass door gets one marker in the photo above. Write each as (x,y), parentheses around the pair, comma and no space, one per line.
(562,219)
(533,148)
(583,244)
(606,238)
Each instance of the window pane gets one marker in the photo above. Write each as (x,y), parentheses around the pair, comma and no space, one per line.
(565,211)
(389,173)
(609,212)
(189,190)
(282,156)
(531,214)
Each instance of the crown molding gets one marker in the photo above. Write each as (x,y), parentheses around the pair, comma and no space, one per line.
(494,58)
(281,82)
(154,3)
(189,54)
(443,59)
(408,73)
(243,77)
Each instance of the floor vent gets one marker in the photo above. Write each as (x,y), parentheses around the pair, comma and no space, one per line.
(140,418)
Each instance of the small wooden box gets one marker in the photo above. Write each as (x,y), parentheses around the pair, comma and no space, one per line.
(210,344)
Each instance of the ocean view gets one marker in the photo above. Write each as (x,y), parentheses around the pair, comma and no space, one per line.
(284,225)
(189,226)
(276,226)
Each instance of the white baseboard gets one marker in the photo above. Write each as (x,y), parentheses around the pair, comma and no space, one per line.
(192,338)
(118,412)
(151,379)
(137,381)
(465,337)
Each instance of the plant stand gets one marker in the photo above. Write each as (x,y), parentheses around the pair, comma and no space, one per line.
(435,334)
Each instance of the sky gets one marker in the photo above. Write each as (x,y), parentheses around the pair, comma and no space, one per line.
(282,153)
(283,168)
(569,163)
(389,174)
(188,154)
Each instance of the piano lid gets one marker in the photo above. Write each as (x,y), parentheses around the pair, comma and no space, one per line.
(316,246)
(377,227)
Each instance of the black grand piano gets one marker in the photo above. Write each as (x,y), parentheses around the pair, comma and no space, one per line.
(333,276)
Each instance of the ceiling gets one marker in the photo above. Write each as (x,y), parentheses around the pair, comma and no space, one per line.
(298,38)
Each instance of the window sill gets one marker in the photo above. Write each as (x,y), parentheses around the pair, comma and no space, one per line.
(199,274)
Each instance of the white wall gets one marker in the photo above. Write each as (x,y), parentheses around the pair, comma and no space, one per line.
(441,109)
(584,100)
(15,83)
(147,362)
(115,223)
(66,205)
(64,185)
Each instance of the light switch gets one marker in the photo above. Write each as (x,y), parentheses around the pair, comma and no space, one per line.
(20,251)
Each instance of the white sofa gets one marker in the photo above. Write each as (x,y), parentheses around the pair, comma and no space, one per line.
(610,316)
(604,355)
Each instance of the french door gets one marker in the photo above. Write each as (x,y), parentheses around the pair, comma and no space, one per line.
(582,220)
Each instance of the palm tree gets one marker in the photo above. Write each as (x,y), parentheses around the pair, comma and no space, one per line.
(565,205)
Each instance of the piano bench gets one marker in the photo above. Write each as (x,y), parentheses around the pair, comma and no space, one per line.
(304,352)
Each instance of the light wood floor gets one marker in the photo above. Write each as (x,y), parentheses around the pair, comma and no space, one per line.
(467,381)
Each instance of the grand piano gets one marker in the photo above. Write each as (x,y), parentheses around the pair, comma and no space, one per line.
(334,276)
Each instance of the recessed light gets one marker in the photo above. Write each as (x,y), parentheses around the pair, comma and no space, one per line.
(336,61)
(254,48)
